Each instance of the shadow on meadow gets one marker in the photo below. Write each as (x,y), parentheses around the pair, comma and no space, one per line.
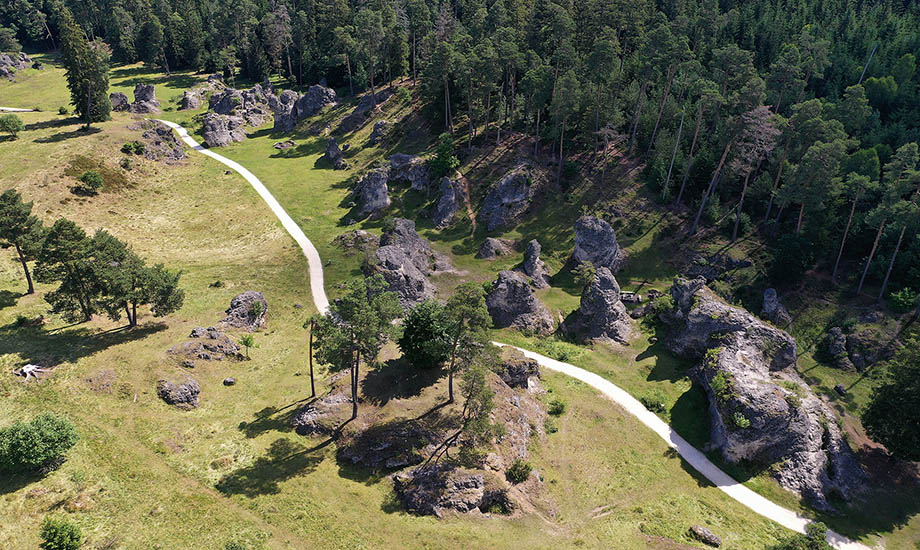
(68,344)
(284,459)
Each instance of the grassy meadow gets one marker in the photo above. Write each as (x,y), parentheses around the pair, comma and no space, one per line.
(146,475)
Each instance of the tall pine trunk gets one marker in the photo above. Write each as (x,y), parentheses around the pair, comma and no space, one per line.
(561,145)
(779,173)
(696,133)
(712,187)
(664,99)
(878,235)
(310,352)
(667,181)
(843,241)
(897,248)
(637,113)
(25,269)
(740,204)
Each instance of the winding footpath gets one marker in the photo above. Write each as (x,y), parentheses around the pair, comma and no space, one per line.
(688,452)
(15,110)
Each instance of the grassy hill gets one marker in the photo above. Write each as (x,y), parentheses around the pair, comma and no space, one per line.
(146,475)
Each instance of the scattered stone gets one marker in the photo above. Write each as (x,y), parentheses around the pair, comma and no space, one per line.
(492,248)
(324,415)
(389,445)
(208,344)
(411,169)
(511,303)
(251,105)
(229,381)
(450,202)
(438,490)
(379,132)
(119,101)
(705,536)
(841,391)
(145,100)
(602,315)
(509,199)
(372,194)
(161,143)
(596,242)
(534,267)
(773,310)
(286,144)
(357,239)
(216,78)
(334,155)
(871,316)
(247,310)
(515,369)
(191,99)
(760,409)
(188,363)
(222,130)
(183,396)
(868,346)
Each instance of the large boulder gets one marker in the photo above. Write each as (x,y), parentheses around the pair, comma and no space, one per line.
(515,369)
(773,310)
(145,99)
(208,344)
(191,99)
(222,130)
(836,342)
(12,62)
(247,310)
(161,143)
(596,242)
(333,155)
(183,396)
(867,345)
(403,276)
(250,105)
(533,266)
(406,260)
(363,110)
(601,315)
(449,203)
(511,303)
(760,409)
(379,132)
(119,101)
(411,169)
(705,536)
(508,199)
(437,490)
(323,415)
(492,248)
(372,195)
(289,108)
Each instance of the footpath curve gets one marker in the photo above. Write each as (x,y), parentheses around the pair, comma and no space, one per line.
(755,502)
(16,110)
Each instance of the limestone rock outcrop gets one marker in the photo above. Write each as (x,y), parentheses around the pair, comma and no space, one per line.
(533,266)
(596,242)
(509,198)
(145,99)
(773,310)
(191,100)
(411,169)
(449,203)
(406,260)
(333,155)
(601,315)
(511,303)
(492,248)
(119,101)
(12,62)
(289,108)
(248,310)
(760,409)
(250,105)
(183,396)
(364,109)
(371,194)
(161,143)
(222,130)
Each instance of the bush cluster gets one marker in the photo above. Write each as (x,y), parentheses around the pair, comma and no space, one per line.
(27,447)
(519,471)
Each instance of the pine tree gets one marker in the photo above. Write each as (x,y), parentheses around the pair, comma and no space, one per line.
(20,229)
(87,70)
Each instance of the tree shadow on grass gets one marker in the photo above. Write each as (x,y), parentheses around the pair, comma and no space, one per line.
(284,460)
(397,379)
(8,298)
(667,365)
(49,348)
(52,123)
(307,149)
(12,483)
(273,418)
(61,136)
(690,416)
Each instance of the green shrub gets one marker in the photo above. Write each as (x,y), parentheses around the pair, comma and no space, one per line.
(445,161)
(794,255)
(133,147)
(235,545)
(560,351)
(90,183)
(813,539)
(549,426)
(36,445)
(403,94)
(60,534)
(62,110)
(654,402)
(425,341)
(903,300)
(11,124)
(519,471)
(556,407)
(126,163)
(584,273)
(662,304)
(740,420)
